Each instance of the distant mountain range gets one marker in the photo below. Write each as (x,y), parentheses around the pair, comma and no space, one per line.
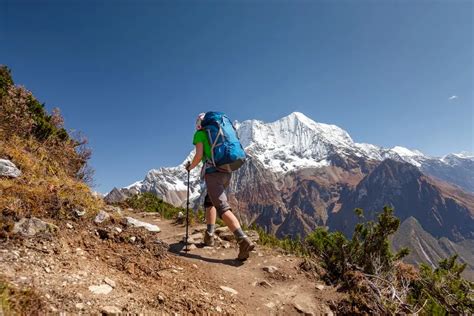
(301,174)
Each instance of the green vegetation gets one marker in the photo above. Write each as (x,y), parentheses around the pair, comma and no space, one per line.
(149,202)
(368,250)
(287,244)
(378,282)
(443,289)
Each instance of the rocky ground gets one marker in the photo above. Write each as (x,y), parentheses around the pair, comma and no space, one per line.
(111,266)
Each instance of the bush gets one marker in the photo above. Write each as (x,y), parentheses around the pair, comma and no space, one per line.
(376,280)
(294,246)
(368,250)
(149,202)
(443,289)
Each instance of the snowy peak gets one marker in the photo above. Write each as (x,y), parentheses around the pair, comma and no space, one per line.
(292,142)
(405,152)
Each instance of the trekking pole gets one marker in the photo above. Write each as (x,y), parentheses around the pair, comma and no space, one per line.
(187,216)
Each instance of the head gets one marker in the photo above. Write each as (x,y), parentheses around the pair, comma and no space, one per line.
(199,119)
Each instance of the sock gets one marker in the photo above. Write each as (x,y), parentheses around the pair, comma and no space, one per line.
(239,233)
(211,228)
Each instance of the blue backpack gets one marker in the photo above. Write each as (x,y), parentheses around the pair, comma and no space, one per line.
(226,150)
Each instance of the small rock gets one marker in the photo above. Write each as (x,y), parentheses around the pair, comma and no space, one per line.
(327,311)
(229,289)
(133,238)
(260,254)
(79,212)
(8,169)
(110,282)
(270,269)
(197,236)
(80,306)
(118,229)
(110,310)
(305,306)
(47,269)
(226,245)
(31,226)
(195,266)
(101,217)
(113,209)
(220,230)
(69,226)
(264,283)
(136,223)
(270,305)
(218,309)
(161,298)
(100,289)
(192,247)
(228,236)
(320,287)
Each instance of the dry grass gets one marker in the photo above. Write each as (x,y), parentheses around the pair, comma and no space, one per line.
(14,301)
(45,187)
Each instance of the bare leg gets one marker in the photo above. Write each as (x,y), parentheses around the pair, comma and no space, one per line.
(231,221)
(211,215)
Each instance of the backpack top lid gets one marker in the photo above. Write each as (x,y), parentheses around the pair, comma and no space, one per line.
(212,117)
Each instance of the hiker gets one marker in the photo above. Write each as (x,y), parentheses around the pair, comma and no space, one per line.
(217,179)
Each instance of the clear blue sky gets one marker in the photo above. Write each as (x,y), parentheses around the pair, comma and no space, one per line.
(132,75)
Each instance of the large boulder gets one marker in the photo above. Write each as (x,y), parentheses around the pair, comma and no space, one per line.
(31,226)
(136,223)
(8,169)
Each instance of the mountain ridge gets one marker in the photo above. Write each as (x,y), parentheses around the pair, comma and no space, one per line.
(296,142)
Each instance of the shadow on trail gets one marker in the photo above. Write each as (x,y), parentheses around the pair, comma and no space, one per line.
(178,248)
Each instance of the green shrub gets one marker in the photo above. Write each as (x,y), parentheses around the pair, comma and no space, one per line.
(368,250)
(294,246)
(444,289)
(149,202)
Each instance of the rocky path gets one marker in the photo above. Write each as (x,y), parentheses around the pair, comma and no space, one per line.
(269,282)
(110,267)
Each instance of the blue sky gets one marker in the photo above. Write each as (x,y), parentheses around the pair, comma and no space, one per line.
(132,75)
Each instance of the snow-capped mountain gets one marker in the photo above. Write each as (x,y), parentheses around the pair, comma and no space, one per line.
(301,174)
(296,142)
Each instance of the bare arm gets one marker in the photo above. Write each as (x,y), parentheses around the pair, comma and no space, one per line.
(197,156)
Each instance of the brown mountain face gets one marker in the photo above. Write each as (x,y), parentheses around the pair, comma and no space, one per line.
(441,209)
(297,202)
(427,249)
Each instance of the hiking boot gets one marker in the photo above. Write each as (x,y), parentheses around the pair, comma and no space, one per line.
(245,246)
(208,239)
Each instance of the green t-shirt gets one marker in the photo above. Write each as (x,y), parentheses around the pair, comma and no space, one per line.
(201,137)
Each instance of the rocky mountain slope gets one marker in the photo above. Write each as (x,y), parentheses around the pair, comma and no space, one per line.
(296,142)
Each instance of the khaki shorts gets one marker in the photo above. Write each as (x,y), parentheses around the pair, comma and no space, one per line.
(216,184)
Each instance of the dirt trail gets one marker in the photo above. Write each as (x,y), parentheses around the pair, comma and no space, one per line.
(288,290)
(141,276)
